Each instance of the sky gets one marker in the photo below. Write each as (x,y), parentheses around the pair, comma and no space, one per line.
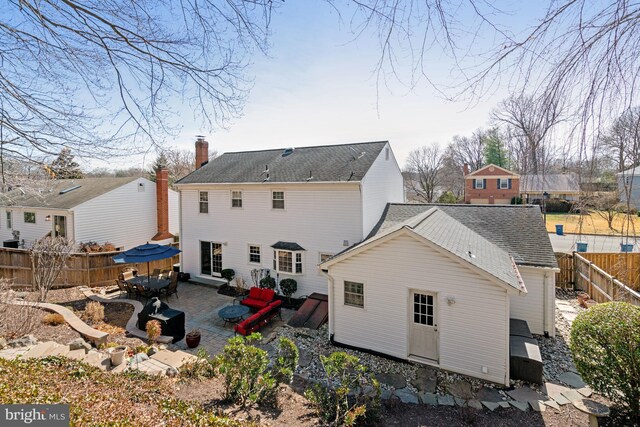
(317,86)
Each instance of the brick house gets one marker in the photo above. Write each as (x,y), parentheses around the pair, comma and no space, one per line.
(491,185)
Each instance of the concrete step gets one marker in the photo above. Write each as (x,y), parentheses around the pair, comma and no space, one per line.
(78,354)
(40,350)
(174,358)
(60,350)
(152,367)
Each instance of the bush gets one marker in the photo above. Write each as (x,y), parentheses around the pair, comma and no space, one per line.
(53,319)
(244,368)
(202,367)
(268,282)
(94,312)
(154,329)
(228,274)
(558,206)
(288,287)
(448,197)
(605,343)
(349,394)
(287,361)
(515,200)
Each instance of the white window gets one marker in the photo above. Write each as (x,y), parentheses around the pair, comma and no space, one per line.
(478,184)
(30,217)
(9,221)
(324,256)
(204,202)
(236,199)
(354,294)
(287,262)
(504,183)
(254,254)
(277,199)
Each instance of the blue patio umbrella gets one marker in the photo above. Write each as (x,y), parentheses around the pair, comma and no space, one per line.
(146,253)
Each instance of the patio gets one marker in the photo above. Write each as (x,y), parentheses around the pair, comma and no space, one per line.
(201,304)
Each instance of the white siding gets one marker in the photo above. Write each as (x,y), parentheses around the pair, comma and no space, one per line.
(319,217)
(382,184)
(532,307)
(125,216)
(31,232)
(472,331)
(174,212)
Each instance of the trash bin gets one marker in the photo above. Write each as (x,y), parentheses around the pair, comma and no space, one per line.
(626,247)
(581,246)
(560,229)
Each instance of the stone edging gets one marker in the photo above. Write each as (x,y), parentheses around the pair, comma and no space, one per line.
(91,334)
(131,327)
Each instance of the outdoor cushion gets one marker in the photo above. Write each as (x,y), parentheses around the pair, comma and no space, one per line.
(275,304)
(267,295)
(254,303)
(255,293)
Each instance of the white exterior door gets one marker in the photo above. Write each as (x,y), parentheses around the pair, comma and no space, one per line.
(423,326)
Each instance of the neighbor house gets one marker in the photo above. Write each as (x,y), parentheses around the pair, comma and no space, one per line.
(125,212)
(562,186)
(629,186)
(490,184)
(285,210)
(437,284)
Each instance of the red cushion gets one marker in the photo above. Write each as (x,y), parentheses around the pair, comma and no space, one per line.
(267,295)
(254,303)
(264,311)
(255,293)
(275,304)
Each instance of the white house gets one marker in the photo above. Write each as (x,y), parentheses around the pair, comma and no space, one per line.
(123,211)
(438,284)
(564,186)
(629,186)
(286,210)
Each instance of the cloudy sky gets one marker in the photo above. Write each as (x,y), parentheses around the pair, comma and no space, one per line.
(318,86)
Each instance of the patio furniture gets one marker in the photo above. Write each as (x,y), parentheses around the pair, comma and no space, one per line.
(142,292)
(156,273)
(258,320)
(151,283)
(123,288)
(259,298)
(233,313)
(127,275)
(171,321)
(172,288)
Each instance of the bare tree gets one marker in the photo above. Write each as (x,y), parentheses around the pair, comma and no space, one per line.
(621,143)
(529,122)
(468,150)
(96,76)
(49,257)
(16,320)
(423,168)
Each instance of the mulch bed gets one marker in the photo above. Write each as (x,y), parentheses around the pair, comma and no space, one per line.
(231,291)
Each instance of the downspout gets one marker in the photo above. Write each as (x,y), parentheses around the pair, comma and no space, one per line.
(180,235)
(326,274)
(546,303)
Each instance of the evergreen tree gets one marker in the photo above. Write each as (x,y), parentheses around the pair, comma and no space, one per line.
(495,151)
(161,160)
(64,167)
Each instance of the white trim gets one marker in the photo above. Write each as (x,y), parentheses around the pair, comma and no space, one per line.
(231,199)
(249,253)
(344,294)
(284,198)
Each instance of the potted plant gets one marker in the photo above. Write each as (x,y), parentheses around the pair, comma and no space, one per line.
(268,282)
(117,355)
(228,274)
(193,338)
(288,288)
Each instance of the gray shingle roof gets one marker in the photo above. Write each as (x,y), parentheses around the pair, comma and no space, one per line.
(558,183)
(518,230)
(287,246)
(345,162)
(450,234)
(47,193)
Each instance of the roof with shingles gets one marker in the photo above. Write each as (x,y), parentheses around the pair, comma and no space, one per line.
(46,194)
(517,229)
(326,163)
(450,234)
(557,183)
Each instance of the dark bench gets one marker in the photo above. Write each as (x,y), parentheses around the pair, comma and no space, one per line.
(260,319)
(525,360)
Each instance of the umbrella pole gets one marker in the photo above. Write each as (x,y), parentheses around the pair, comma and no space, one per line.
(148,275)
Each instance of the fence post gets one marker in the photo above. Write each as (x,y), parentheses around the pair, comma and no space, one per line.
(86,259)
(589,289)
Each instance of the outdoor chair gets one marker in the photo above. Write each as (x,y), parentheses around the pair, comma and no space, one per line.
(142,292)
(172,288)
(155,273)
(130,289)
(122,287)
(127,275)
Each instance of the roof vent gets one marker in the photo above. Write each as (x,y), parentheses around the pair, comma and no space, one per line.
(355,155)
(287,151)
(310,177)
(69,189)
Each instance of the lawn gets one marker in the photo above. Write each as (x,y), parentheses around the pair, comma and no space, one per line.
(593,223)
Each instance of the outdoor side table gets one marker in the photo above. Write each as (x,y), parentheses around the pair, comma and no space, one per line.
(233,313)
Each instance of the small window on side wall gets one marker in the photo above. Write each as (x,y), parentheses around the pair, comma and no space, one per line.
(254,254)
(354,294)
(30,217)
(204,202)
(277,198)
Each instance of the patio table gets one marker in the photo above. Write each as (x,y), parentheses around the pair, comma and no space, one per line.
(232,313)
(150,282)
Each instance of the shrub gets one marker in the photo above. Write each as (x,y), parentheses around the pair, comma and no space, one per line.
(288,287)
(94,312)
(286,362)
(202,367)
(349,393)
(268,282)
(515,200)
(154,329)
(244,368)
(228,274)
(53,319)
(558,206)
(605,343)
(448,197)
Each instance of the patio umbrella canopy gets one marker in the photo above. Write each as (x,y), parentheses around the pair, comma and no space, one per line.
(146,253)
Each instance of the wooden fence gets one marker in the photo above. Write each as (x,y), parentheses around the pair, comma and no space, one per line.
(89,269)
(624,266)
(564,279)
(599,284)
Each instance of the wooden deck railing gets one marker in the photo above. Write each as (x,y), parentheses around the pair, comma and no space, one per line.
(600,285)
(88,269)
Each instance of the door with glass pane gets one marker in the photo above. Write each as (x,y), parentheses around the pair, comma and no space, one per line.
(211,258)
(59,226)
(423,326)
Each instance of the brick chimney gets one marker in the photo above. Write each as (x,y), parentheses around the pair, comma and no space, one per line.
(202,151)
(465,169)
(162,204)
